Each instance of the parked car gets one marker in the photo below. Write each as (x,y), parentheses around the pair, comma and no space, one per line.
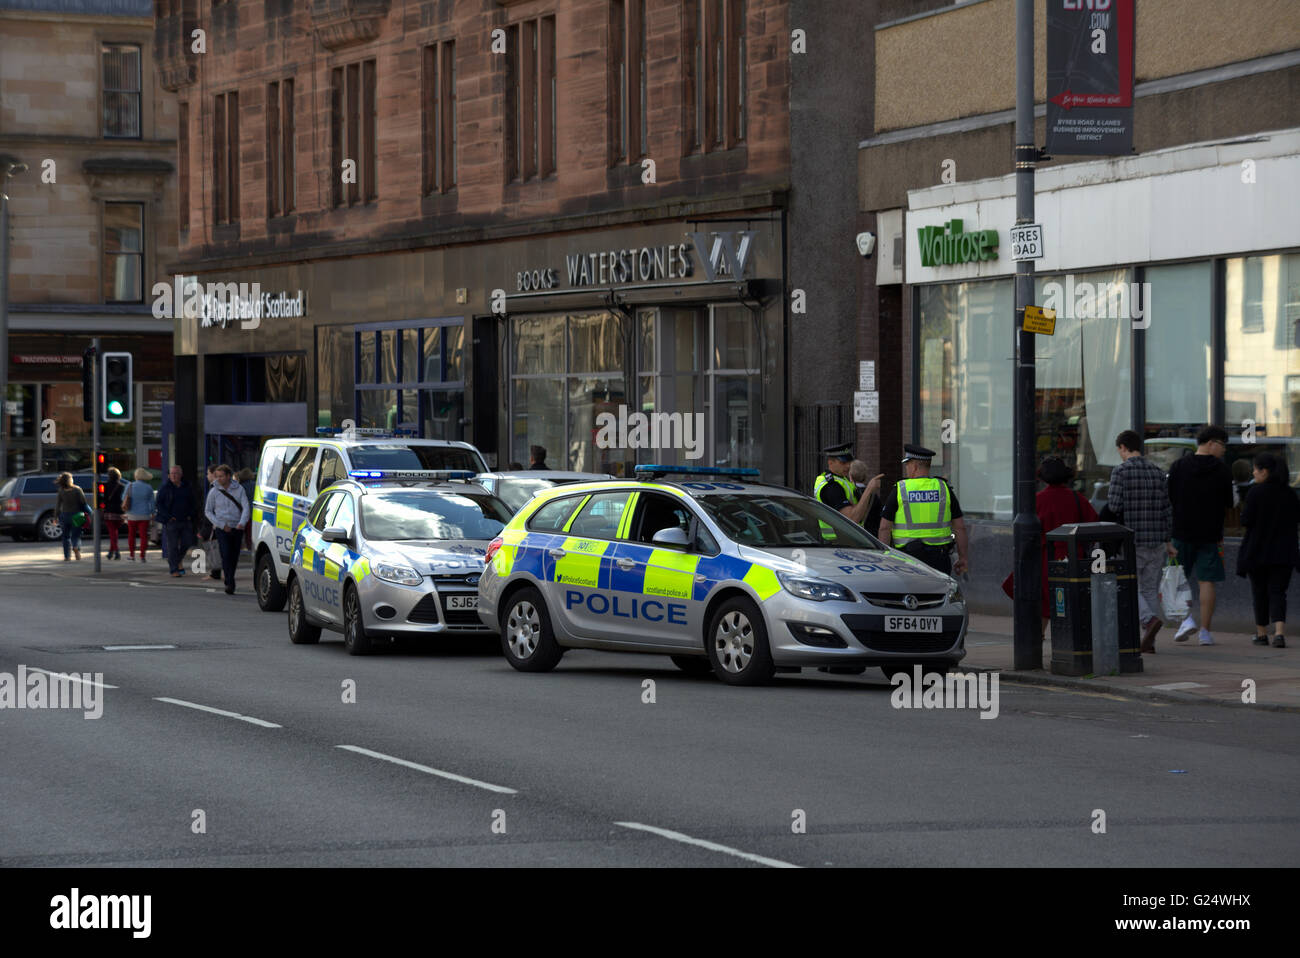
(516,487)
(27,505)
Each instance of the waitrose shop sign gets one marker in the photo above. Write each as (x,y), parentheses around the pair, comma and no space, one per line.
(949,245)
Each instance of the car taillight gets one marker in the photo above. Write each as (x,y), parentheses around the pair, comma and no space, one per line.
(11,505)
(492,549)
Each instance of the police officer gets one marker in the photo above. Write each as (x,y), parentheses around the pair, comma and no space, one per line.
(836,489)
(921,515)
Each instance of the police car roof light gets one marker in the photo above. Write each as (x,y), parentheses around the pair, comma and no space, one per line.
(368,432)
(650,471)
(392,474)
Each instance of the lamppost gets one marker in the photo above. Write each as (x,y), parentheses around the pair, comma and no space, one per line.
(9,165)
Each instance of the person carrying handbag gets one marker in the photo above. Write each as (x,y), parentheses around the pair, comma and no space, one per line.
(138,506)
(71,505)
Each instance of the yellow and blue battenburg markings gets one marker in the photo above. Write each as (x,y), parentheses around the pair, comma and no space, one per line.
(330,559)
(286,513)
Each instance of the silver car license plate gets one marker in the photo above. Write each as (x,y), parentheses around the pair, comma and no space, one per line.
(913,623)
(462,602)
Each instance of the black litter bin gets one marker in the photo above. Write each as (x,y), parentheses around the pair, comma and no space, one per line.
(1093,599)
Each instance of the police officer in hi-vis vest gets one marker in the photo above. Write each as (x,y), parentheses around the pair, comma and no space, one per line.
(921,515)
(836,489)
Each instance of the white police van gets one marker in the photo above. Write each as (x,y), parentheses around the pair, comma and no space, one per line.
(292,472)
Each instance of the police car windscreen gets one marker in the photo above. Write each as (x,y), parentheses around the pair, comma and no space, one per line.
(777,521)
(412,515)
(413,457)
(515,492)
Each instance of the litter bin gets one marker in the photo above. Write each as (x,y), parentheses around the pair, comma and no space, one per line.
(1092,594)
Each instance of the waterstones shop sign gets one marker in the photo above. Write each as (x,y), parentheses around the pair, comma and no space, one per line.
(949,244)
(720,256)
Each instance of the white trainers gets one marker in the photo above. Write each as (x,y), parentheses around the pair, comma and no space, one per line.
(1185,630)
(1206,638)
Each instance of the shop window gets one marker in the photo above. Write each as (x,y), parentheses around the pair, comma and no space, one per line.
(123,252)
(1178,374)
(239,378)
(335,379)
(121,89)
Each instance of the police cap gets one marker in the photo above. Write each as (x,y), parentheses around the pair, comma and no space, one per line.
(917,452)
(840,450)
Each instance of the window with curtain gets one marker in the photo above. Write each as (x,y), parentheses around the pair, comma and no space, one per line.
(1178,336)
(123,252)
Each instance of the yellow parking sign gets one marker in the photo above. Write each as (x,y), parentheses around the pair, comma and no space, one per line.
(1039,320)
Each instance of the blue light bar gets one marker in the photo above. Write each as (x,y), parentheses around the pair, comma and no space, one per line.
(399,474)
(650,469)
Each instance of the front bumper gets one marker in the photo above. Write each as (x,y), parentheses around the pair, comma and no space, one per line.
(419,610)
(803,633)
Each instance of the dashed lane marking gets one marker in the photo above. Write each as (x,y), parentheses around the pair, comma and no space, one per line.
(450,776)
(71,678)
(711,846)
(208,708)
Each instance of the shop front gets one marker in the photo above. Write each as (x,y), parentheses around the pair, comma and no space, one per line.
(1176,288)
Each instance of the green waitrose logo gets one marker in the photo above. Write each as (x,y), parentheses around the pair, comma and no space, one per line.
(947,245)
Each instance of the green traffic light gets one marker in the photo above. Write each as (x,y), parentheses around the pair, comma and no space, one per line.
(115,408)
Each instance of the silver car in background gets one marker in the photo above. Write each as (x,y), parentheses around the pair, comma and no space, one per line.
(517,486)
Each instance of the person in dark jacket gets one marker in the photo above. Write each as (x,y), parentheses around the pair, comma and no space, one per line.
(1200,490)
(114,490)
(1056,506)
(537,457)
(176,511)
(71,502)
(1270,549)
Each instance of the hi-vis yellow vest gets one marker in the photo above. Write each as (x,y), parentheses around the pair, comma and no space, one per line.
(924,511)
(850,492)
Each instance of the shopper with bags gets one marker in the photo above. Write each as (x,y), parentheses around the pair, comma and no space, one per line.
(1138,499)
(1270,549)
(73,513)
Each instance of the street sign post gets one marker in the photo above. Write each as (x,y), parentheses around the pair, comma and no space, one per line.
(1027,242)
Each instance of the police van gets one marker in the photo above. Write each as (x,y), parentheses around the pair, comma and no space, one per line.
(292,472)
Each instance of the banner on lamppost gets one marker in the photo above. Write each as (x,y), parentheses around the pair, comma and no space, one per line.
(1090,77)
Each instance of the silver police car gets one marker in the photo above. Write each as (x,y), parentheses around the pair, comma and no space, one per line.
(739,577)
(388,554)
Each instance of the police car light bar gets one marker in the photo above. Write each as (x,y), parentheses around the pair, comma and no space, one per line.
(411,474)
(650,471)
(369,432)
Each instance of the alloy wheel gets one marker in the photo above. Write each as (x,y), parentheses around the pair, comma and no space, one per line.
(523,626)
(734,641)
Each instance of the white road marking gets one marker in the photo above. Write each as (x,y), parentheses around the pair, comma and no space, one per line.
(208,708)
(452,776)
(711,846)
(134,648)
(71,678)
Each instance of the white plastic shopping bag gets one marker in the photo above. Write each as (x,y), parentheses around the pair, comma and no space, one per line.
(1175,593)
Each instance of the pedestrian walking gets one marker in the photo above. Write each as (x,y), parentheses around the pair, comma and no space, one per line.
(211,547)
(228,510)
(176,510)
(537,457)
(836,488)
(1269,549)
(921,512)
(1139,499)
(138,506)
(71,506)
(1057,505)
(114,490)
(246,479)
(1200,491)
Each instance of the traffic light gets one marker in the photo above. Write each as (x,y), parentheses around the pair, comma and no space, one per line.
(101,478)
(118,389)
(88,384)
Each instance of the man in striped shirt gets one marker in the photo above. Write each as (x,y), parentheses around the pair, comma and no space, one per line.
(1139,499)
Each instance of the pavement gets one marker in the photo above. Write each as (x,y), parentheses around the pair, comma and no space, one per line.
(1182,671)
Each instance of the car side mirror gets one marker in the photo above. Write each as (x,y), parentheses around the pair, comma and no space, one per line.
(673,537)
(335,534)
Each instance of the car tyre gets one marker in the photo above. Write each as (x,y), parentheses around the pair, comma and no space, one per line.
(270,594)
(693,664)
(527,638)
(737,644)
(355,637)
(49,527)
(301,632)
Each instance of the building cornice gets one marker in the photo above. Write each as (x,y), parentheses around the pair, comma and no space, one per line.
(756,201)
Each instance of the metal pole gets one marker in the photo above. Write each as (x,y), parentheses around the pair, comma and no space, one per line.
(95,387)
(1027,644)
(4,315)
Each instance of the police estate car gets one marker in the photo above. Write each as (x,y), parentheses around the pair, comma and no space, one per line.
(744,578)
(292,473)
(392,553)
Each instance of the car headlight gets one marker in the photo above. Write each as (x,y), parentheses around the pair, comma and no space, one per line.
(954,594)
(818,590)
(398,574)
